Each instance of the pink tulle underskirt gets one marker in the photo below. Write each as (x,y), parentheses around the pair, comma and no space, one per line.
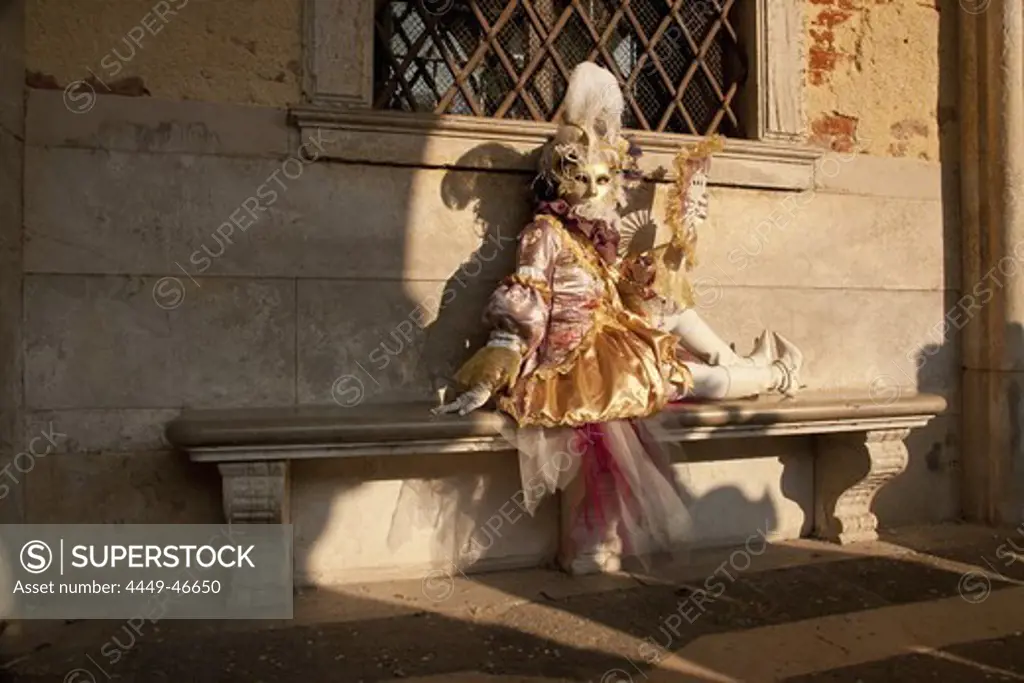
(615,478)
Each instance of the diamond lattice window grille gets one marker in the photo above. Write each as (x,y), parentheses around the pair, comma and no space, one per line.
(679,61)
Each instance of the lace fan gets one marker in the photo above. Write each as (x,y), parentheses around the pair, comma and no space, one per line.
(687,210)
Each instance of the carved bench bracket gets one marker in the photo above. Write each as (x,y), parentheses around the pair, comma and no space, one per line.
(256,492)
(849,470)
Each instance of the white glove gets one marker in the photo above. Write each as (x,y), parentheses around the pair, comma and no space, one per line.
(466,402)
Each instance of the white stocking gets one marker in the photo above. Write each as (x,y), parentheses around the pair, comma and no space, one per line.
(701,340)
(717,382)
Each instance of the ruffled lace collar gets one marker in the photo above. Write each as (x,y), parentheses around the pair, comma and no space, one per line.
(603,236)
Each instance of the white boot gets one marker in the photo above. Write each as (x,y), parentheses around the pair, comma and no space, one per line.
(717,382)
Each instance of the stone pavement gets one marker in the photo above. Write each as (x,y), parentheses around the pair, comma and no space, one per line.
(937,603)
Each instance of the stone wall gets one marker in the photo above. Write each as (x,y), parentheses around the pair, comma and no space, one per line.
(135,306)
(138,301)
(12,135)
(234,51)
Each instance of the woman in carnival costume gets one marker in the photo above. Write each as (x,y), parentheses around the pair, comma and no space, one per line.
(586,341)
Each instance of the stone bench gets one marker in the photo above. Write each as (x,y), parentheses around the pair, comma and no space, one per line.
(859,445)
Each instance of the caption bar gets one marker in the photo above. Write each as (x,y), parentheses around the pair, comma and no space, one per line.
(153,571)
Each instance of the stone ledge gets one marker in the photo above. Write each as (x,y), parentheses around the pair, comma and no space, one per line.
(301,432)
(363,136)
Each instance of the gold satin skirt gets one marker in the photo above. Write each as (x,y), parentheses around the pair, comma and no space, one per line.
(623,369)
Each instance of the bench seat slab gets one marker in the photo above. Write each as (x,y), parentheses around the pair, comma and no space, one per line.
(859,447)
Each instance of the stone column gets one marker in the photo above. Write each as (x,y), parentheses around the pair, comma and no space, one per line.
(992,215)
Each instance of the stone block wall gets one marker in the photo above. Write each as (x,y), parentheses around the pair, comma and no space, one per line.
(178,253)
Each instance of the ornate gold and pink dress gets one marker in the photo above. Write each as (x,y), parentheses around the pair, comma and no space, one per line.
(577,371)
(583,357)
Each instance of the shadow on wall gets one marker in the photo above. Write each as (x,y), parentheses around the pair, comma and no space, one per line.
(927,491)
(490,182)
(500,199)
(931,488)
(1010,491)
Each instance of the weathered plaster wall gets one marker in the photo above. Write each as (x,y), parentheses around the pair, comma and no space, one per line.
(873,75)
(873,65)
(239,51)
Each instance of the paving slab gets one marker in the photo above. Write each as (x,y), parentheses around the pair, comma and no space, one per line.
(800,612)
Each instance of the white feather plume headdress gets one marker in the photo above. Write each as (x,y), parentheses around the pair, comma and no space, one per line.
(594,102)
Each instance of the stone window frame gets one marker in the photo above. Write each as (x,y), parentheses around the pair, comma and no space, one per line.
(338,93)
